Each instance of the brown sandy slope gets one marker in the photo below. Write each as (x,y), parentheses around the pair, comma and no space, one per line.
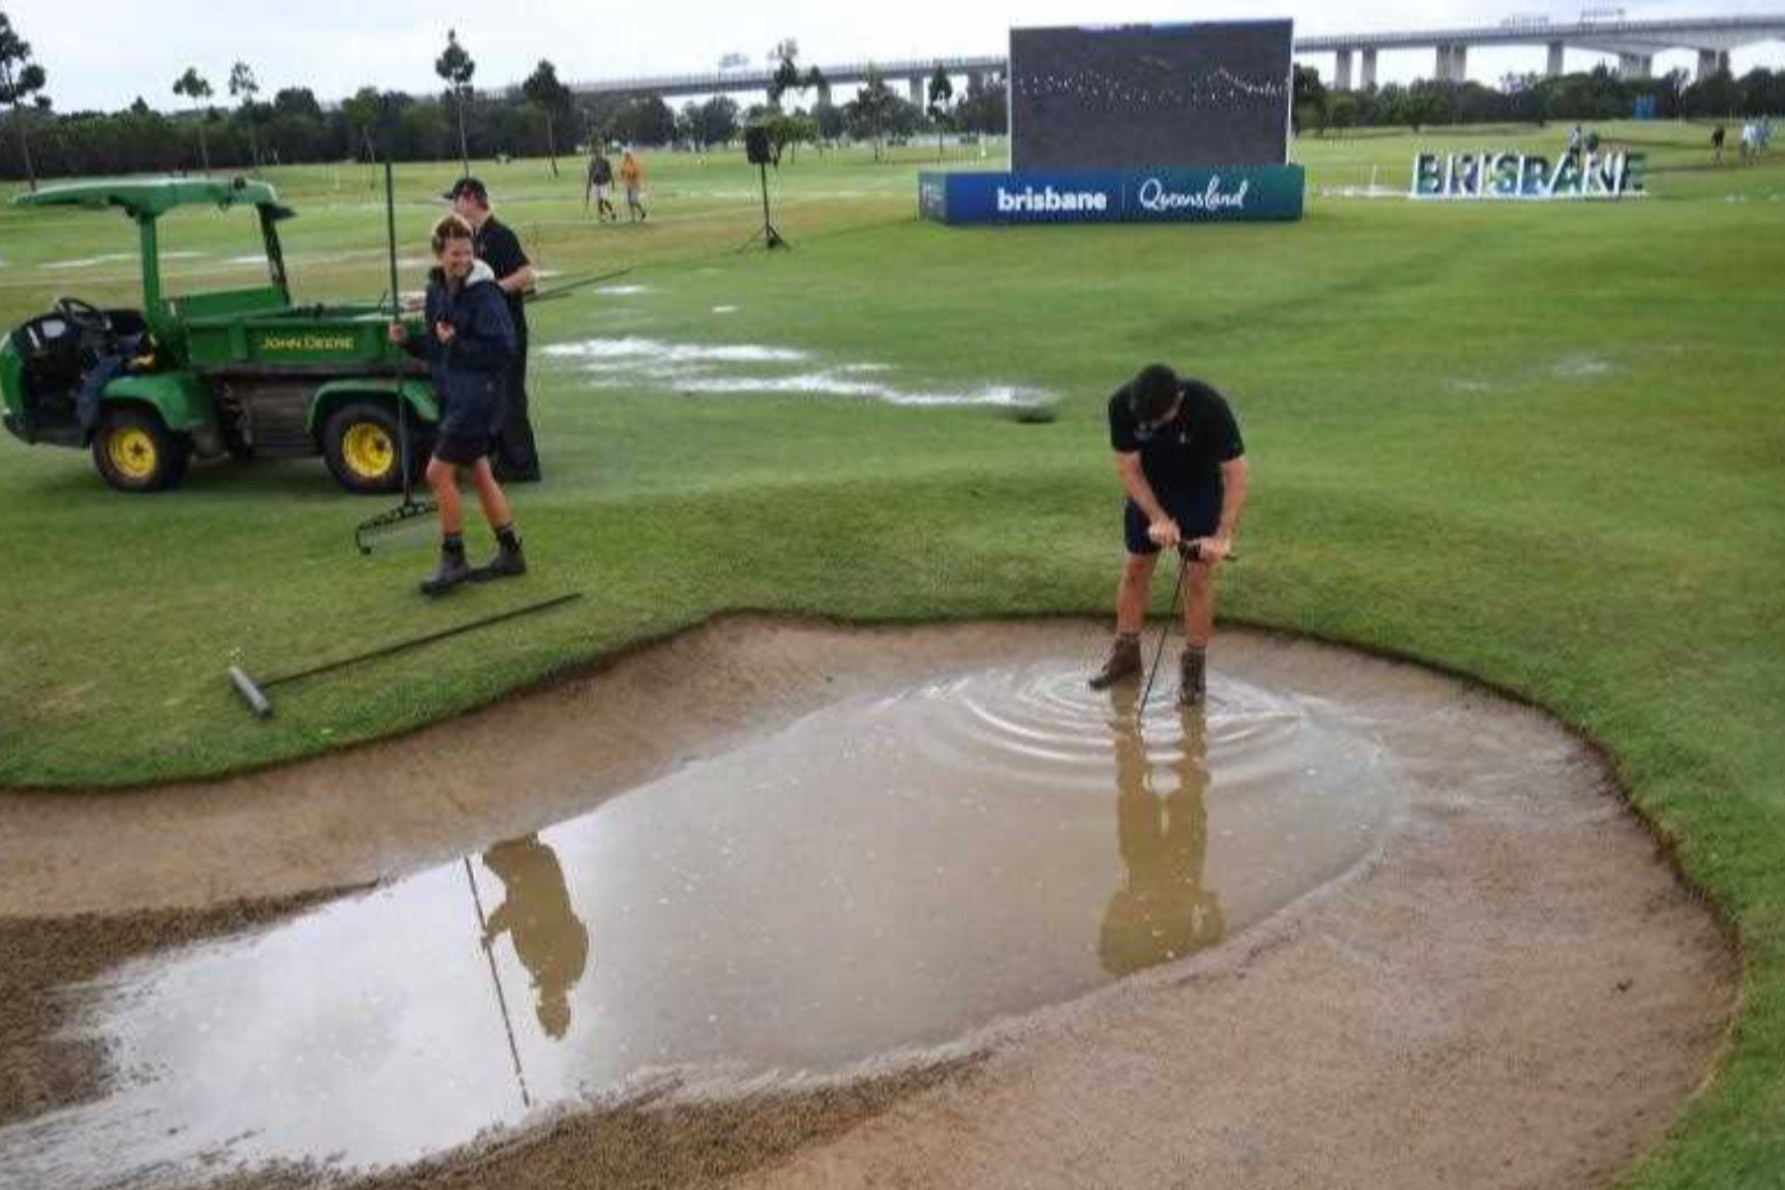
(1518,992)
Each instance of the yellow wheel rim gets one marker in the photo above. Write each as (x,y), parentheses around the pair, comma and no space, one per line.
(368,451)
(132,452)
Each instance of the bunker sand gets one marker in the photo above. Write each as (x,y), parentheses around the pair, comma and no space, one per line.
(1511,990)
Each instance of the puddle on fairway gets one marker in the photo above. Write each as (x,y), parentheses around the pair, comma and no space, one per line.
(889,873)
(622,364)
(655,351)
(1582,367)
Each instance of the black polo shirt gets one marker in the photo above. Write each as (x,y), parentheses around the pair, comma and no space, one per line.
(497,246)
(1186,453)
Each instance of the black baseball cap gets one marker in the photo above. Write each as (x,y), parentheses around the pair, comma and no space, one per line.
(468,185)
(1152,391)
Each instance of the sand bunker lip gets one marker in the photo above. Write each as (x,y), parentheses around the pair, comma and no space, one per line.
(1516,992)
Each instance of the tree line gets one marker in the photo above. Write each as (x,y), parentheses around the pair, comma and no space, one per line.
(236,129)
(1598,94)
(232,128)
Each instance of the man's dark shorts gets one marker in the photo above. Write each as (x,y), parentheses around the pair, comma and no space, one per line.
(1197,512)
(474,416)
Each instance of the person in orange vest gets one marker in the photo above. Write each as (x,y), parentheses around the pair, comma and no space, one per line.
(632,175)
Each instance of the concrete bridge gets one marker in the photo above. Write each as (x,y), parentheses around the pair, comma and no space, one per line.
(916,74)
(1634,42)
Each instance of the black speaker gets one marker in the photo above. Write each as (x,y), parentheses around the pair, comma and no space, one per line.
(757,146)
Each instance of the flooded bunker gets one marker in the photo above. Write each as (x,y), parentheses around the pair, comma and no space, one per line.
(773,852)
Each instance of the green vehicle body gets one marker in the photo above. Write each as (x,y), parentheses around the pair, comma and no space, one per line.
(246,371)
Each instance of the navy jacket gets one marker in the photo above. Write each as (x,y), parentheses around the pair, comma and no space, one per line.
(467,371)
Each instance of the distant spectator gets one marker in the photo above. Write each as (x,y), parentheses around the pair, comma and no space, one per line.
(601,184)
(1574,141)
(1717,144)
(632,175)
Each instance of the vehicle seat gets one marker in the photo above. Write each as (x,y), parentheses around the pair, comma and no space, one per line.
(52,350)
(57,354)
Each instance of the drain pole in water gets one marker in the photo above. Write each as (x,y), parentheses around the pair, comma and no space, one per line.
(489,952)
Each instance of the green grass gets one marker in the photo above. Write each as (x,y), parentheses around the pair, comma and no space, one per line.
(1537,444)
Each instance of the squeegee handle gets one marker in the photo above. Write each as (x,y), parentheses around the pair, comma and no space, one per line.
(413,643)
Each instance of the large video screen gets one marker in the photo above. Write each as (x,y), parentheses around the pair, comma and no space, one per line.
(1121,96)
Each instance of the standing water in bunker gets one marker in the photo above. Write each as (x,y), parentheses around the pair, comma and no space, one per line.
(883,876)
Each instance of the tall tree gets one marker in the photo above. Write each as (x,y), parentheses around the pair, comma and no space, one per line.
(362,114)
(20,77)
(243,87)
(717,120)
(941,91)
(872,106)
(456,68)
(194,86)
(543,90)
(787,76)
(1309,105)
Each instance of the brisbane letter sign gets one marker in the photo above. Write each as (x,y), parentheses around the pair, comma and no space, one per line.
(1527,177)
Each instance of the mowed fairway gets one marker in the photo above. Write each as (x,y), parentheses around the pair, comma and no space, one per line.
(1539,445)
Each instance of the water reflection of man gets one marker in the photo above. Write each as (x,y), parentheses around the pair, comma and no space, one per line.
(549,938)
(1162,912)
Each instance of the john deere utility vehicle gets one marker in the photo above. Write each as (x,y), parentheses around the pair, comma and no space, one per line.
(243,372)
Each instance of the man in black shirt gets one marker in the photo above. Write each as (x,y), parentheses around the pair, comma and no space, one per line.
(1182,464)
(516,459)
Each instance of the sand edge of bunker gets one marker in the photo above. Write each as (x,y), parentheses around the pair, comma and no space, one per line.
(1518,943)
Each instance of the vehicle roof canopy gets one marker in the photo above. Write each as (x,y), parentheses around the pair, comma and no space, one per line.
(152,197)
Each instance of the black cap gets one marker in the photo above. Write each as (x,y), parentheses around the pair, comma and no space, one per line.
(468,185)
(1152,391)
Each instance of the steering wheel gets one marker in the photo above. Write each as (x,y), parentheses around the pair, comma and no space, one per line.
(84,316)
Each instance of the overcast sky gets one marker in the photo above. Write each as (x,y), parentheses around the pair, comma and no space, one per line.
(104,53)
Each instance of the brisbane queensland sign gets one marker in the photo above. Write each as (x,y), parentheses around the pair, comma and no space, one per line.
(1176,194)
(1525,177)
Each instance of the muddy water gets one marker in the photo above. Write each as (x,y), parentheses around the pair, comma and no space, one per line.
(889,873)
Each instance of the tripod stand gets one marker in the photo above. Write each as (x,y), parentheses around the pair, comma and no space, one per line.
(771,239)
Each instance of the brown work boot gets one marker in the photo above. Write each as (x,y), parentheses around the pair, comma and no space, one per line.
(1124,662)
(1192,687)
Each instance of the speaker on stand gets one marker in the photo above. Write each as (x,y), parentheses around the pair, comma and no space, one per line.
(760,151)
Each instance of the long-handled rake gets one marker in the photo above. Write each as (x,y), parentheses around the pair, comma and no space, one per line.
(483,927)
(398,520)
(255,693)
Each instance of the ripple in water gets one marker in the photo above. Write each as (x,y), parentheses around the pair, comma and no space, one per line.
(889,872)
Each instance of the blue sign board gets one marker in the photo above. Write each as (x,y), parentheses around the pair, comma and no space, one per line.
(1176,194)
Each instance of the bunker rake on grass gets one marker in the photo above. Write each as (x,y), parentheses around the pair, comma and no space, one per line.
(255,693)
